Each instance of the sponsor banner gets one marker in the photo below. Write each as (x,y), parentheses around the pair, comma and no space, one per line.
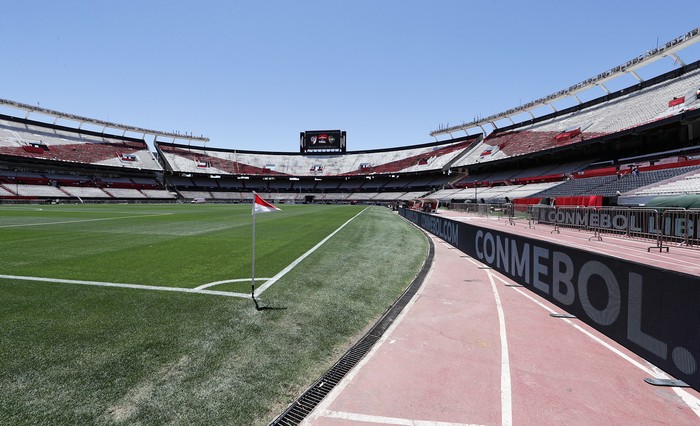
(651,311)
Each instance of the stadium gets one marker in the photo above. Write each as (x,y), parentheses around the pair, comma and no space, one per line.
(127,266)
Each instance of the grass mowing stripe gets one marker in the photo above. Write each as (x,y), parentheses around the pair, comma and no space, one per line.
(80,220)
(283,272)
(185,249)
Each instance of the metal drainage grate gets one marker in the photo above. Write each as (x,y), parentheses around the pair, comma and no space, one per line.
(303,406)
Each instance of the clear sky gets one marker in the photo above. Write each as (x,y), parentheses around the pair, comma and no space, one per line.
(251,75)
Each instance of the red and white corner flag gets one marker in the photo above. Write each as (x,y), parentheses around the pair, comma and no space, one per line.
(262,206)
(259,206)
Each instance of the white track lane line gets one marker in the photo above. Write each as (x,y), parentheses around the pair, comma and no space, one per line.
(506,391)
(690,400)
(354,417)
(506,388)
(322,407)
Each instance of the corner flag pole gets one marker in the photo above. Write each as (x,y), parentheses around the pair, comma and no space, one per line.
(261,206)
(252,275)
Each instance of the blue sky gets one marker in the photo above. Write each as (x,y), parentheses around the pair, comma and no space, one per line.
(252,75)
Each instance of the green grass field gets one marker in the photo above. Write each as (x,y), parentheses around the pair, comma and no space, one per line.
(84,354)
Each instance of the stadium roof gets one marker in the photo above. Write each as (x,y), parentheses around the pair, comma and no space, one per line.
(29,109)
(667,50)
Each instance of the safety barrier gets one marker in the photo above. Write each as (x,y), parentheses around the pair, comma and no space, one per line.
(506,210)
(677,227)
(680,227)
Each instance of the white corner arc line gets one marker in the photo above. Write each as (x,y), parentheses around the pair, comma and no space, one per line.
(291,266)
(237,280)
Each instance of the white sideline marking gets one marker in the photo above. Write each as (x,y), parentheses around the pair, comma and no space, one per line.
(197,290)
(291,266)
(690,400)
(121,285)
(237,280)
(385,420)
(82,220)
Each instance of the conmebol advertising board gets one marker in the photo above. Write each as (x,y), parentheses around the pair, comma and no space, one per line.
(651,311)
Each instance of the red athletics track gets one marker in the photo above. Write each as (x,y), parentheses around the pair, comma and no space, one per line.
(443,361)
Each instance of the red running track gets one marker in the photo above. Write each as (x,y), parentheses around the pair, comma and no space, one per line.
(472,348)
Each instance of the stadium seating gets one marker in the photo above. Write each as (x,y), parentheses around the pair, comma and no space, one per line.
(688,183)
(59,162)
(158,194)
(331,196)
(38,191)
(6,192)
(327,184)
(85,192)
(21,138)
(625,112)
(444,195)
(187,159)
(614,184)
(124,193)
(229,195)
(196,194)
(145,182)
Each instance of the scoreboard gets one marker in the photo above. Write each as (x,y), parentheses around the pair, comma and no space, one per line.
(322,141)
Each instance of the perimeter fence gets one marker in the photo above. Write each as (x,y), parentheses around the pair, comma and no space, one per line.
(664,228)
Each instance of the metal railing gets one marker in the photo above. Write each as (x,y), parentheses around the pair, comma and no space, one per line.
(500,211)
(678,227)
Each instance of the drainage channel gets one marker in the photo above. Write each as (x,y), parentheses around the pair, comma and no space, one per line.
(303,406)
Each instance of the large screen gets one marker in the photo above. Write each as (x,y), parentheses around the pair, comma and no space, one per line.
(322,141)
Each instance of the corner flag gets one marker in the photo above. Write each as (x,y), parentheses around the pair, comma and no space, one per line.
(262,206)
(259,206)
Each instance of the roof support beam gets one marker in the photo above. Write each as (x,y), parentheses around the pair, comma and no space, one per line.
(677,60)
(639,79)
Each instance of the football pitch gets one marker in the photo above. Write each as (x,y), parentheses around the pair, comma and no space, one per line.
(124,314)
